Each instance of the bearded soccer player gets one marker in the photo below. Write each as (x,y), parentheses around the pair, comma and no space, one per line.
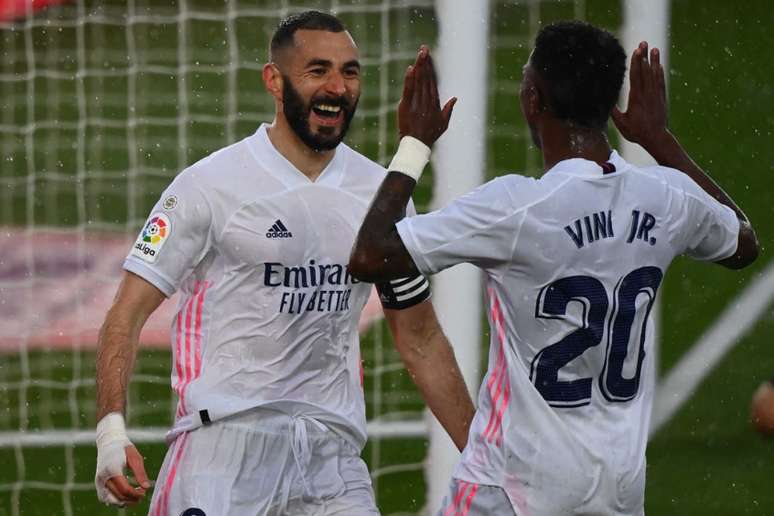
(256,236)
(574,260)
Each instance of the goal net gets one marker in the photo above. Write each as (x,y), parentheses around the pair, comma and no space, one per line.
(104,101)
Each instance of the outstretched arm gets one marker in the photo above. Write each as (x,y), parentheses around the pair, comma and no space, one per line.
(117,348)
(379,253)
(430,361)
(645,123)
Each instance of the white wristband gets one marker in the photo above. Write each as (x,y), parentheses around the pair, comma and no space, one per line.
(110,429)
(410,158)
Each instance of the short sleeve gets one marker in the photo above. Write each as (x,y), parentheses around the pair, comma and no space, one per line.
(175,237)
(479,227)
(704,229)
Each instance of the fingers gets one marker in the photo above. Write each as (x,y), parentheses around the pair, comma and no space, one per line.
(446,113)
(425,77)
(408,83)
(137,466)
(434,100)
(646,79)
(658,72)
(121,489)
(617,116)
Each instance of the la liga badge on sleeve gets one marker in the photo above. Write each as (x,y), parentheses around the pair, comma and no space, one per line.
(152,237)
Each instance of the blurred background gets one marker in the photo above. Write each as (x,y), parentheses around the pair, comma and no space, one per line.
(102,102)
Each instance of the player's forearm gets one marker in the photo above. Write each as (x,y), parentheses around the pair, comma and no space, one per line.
(429,359)
(116,352)
(379,253)
(436,374)
(667,151)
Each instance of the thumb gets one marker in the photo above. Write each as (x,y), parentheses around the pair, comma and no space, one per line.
(137,466)
(446,112)
(617,116)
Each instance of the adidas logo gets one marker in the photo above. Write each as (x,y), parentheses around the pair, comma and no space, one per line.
(278,230)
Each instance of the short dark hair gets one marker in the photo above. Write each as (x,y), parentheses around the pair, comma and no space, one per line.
(307,20)
(583,68)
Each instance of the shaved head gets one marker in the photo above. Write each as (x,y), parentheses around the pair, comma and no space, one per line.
(284,35)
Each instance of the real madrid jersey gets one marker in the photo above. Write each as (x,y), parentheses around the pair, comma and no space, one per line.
(268,313)
(574,261)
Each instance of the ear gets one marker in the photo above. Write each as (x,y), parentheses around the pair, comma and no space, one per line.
(272,80)
(535,101)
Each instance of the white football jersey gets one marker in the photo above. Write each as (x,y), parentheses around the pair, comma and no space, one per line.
(268,314)
(574,261)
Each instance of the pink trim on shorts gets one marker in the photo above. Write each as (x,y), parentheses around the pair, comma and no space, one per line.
(469,500)
(162,502)
(493,429)
(462,487)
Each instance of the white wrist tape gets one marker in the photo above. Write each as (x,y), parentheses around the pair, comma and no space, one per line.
(410,158)
(111,456)
(110,429)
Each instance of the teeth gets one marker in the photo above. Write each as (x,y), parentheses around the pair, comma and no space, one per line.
(326,107)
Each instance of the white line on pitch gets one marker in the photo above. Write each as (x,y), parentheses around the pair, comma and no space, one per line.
(737,319)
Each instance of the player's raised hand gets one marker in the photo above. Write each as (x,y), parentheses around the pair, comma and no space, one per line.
(645,119)
(419,112)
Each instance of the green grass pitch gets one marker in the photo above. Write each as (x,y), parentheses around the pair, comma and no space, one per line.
(705,461)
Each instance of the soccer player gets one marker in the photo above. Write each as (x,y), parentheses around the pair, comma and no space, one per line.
(574,260)
(266,359)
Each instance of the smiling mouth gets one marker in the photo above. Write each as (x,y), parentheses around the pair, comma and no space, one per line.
(327,111)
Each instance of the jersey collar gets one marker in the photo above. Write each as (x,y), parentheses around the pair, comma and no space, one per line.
(584,167)
(278,166)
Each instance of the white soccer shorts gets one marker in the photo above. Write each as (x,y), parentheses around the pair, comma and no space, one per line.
(261,463)
(468,499)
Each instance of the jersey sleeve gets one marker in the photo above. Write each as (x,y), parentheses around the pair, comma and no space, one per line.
(479,227)
(175,237)
(704,229)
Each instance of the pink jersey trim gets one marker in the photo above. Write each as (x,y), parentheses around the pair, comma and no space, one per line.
(193,365)
(493,431)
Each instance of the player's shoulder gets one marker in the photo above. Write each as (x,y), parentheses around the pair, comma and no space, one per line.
(525,190)
(668,177)
(223,167)
(361,166)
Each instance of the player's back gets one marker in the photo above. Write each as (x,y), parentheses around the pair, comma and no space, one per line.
(574,262)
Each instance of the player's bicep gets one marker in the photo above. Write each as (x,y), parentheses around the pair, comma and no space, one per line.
(412,327)
(136,299)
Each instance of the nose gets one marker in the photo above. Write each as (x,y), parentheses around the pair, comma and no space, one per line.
(336,84)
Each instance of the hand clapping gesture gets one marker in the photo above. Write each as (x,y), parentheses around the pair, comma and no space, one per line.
(645,119)
(419,112)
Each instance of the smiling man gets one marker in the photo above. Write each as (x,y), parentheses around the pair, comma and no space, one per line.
(266,357)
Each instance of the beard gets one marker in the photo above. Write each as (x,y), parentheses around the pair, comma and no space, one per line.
(297,114)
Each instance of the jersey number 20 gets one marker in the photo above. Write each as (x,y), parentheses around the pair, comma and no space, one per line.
(591,293)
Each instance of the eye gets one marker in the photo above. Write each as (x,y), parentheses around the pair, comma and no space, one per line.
(317,72)
(352,73)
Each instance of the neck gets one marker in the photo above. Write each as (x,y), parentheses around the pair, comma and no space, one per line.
(562,140)
(308,161)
